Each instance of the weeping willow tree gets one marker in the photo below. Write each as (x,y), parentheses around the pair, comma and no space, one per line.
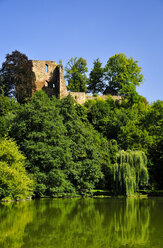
(129,172)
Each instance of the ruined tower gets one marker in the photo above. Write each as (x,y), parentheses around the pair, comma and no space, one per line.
(50,78)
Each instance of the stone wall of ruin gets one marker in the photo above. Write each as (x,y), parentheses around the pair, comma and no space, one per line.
(44,73)
(79,97)
(103,97)
(50,78)
(62,85)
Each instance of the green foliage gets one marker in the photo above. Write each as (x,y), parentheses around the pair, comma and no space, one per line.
(123,75)
(89,150)
(7,109)
(60,62)
(76,74)
(64,152)
(153,122)
(121,122)
(5,105)
(70,147)
(14,181)
(156,169)
(96,78)
(113,149)
(136,126)
(17,76)
(130,172)
(132,136)
(44,138)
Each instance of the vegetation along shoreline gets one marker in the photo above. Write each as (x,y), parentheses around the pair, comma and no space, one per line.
(93,137)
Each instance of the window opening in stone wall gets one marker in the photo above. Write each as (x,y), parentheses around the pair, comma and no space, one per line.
(53,85)
(46,83)
(46,68)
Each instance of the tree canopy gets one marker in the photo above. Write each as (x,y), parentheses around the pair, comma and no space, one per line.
(65,154)
(96,82)
(71,148)
(130,172)
(7,109)
(122,75)
(14,181)
(76,74)
(17,77)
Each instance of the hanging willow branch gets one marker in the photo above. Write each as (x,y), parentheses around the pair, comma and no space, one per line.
(129,172)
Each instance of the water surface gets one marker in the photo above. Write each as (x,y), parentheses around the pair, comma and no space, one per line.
(82,223)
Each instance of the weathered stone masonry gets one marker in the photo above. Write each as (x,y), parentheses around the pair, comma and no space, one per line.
(50,78)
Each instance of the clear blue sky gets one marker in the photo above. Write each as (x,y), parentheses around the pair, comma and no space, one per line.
(53,30)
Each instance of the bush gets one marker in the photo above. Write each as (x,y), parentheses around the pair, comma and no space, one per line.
(14,182)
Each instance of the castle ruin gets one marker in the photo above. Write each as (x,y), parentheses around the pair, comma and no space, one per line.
(50,78)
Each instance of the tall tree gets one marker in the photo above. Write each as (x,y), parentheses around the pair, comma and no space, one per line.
(76,74)
(17,77)
(123,75)
(96,78)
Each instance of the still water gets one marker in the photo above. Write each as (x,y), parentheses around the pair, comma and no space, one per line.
(82,223)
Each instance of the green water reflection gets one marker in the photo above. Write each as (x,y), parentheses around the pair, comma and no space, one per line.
(83,223)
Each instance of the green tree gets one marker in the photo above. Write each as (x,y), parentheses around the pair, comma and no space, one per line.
(89,150)
(14,181)
(156,168)
(7,109)
(64,152)
(5,105)
(153,123)
(96,78)
(44,142)
(136,127)
(130,172)
(123,75)
(153,120)
(17,77)
(133,136)
(121,122)
(106,117)
(76,74)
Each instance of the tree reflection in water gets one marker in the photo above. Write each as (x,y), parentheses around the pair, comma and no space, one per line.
(76,223)
(14,217)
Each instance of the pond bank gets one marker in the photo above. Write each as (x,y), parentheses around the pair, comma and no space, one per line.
(96,194)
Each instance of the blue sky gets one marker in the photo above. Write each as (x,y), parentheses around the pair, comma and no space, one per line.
(54,30)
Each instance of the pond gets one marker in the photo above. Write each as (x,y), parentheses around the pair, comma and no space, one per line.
(84,223)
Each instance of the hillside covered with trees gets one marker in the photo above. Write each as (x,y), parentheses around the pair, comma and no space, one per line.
(56,147)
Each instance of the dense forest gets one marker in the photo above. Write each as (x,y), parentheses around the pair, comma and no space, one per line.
(56,147)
